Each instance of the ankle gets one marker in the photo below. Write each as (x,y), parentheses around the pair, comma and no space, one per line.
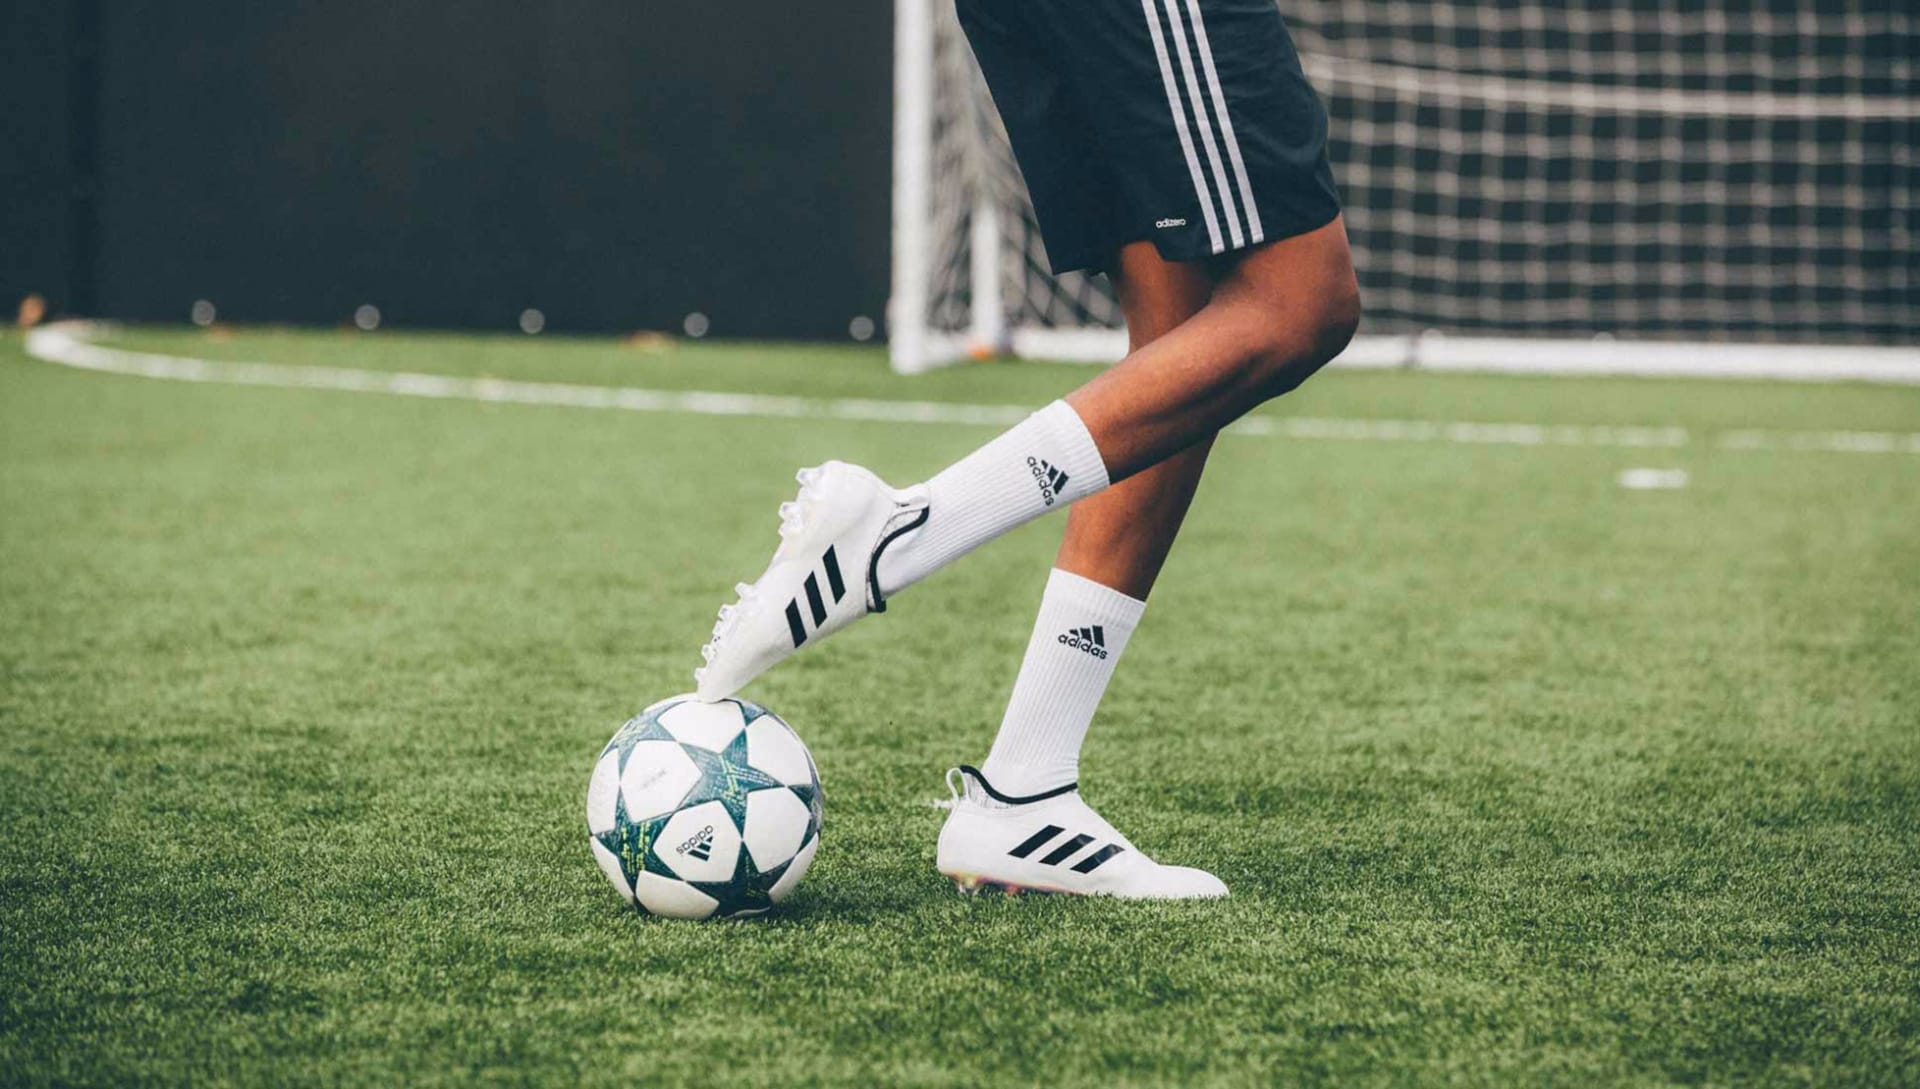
(895,565)
(1042,464)
(1007,790)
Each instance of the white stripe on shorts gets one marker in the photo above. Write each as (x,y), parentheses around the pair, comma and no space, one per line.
(1199,100)
(1180,124)
(1226,124)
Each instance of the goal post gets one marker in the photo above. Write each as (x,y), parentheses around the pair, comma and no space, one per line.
(1593,186)
(969,274)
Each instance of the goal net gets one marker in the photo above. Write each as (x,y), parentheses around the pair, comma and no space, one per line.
(1653,174)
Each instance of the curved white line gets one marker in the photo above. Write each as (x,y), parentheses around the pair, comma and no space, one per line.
(68,344)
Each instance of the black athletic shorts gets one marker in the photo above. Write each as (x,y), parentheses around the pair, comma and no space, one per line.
(1187,122)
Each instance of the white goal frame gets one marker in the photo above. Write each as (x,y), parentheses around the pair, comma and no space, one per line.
(916,345)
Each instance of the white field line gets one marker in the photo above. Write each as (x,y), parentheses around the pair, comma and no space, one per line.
(70,345)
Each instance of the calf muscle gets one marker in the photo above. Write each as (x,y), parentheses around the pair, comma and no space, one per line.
(1280,314)
(1120,538)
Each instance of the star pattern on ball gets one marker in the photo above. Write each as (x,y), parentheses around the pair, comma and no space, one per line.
(727,778)
(749,891)
(632,842)
(810,796)
(642,728)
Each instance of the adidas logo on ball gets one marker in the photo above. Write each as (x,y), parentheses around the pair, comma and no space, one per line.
(699,810)
(700,845)
(1092,640)
(1050,479)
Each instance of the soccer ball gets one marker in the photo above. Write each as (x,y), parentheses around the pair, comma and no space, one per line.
(697,810)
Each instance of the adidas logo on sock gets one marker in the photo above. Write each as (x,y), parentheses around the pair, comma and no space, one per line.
(1051,480)
(1092,640)
(700,846)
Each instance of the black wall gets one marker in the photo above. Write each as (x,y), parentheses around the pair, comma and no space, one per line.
(37,186)
(615,165)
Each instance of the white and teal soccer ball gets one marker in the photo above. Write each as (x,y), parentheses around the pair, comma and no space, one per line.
(697,810)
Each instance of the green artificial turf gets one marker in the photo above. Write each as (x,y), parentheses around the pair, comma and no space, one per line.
(1517,776)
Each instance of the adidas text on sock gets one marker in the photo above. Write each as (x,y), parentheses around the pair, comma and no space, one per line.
(1076,643)
(1041,464)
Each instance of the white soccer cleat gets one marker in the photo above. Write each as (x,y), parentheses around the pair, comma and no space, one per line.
(821,579)
(1051,842)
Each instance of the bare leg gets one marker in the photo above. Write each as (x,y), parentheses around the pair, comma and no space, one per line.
(1210,342)
(1278,315)
(1115,544)
(1121,537)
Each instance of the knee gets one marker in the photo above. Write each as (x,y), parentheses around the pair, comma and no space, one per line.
(1298,341)
(1335,324)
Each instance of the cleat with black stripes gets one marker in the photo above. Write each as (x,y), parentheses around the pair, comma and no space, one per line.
(1051,842)
(822,578)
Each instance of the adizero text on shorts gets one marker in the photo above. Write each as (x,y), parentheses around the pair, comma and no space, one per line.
(1185,122)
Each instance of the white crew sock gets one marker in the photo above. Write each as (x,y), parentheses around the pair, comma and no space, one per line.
(1042,464)
(1077,639)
